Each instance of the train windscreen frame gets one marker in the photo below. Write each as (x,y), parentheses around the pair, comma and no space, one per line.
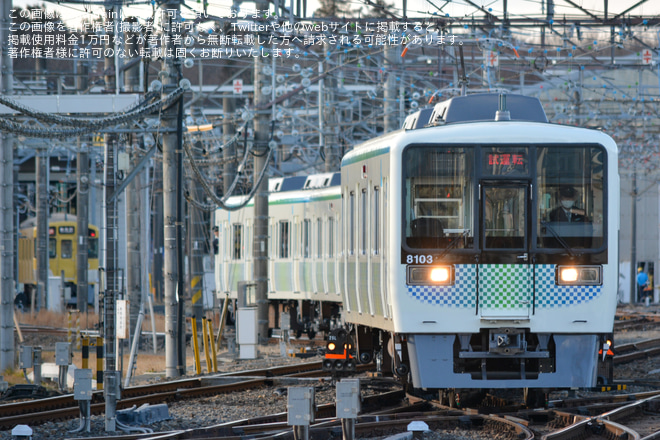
(442,208)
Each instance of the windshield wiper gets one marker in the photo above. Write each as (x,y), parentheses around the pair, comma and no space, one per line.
(561,241)
(453,243)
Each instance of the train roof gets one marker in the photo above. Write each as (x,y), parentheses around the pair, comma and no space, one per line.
(297,183)
(52,218)
(477,108)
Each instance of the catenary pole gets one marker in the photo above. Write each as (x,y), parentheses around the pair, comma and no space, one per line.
(112,290)
(171,157)
(7,232)
(82,213)
(260,148)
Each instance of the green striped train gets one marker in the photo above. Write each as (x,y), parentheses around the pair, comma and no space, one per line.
(474,248)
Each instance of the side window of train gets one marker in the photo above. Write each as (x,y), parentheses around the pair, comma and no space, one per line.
(319,238)
(285,239)
(237,232)
(363,221)
(351,223)
(66,249)
(306,235)
(248,242)
(331,237)
(376,221)
(52,247)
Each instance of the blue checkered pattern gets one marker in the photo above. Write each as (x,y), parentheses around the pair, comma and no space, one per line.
(548,294)
(463,293)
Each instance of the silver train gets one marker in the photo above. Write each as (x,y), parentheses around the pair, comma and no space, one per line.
(474,248)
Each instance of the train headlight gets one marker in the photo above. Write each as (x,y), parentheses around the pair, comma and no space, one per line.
(568,275)
(440,274)
(331,346)
(579,275)
(431,275)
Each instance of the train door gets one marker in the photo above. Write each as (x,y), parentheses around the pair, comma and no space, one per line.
(505,274)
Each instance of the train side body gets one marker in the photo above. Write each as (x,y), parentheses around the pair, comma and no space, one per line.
(303,249)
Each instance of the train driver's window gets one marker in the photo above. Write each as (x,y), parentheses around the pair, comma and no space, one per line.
(439,197)
(66,249)
(571,201)
(52,248)
(93,248)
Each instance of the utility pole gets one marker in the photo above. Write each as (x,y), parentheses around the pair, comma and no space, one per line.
(82,206)
(134,201)
(633,239)
(261,156)
(42,170)
(157,222)
(329,129)
(197,248)
(390,93)
(134,255)
(82,213)
(171,120)
(7,231)
(229,150)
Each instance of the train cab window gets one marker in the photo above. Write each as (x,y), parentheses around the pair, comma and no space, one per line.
(571,198)
(66,249)
(438,205)
(285,240)
(52,248)
(505,217)
(237,242)
(92,245)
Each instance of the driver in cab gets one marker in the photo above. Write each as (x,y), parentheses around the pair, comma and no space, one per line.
(566,211)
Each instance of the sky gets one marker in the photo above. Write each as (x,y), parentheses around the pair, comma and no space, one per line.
(75,13)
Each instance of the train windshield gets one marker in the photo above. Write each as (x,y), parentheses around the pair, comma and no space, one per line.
(571,199)
(93,248)
(505,200)
(439,187)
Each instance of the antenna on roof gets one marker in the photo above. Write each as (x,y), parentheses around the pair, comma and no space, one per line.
(502,114)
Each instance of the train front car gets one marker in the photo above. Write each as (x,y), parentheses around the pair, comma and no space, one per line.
(503,251)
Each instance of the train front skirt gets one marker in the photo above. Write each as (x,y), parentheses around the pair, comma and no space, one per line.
(434,364)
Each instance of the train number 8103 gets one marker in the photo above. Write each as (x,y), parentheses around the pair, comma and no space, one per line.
(419,259)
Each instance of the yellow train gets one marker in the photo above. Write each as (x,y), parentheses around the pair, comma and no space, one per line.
(62,253)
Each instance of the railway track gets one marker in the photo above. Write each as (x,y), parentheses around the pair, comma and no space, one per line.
(64,407)
(641,417)
(636,350)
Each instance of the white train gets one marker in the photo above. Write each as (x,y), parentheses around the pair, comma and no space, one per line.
(474,248)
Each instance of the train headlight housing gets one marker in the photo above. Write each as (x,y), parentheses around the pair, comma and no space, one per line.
(430,275)
(579,275)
